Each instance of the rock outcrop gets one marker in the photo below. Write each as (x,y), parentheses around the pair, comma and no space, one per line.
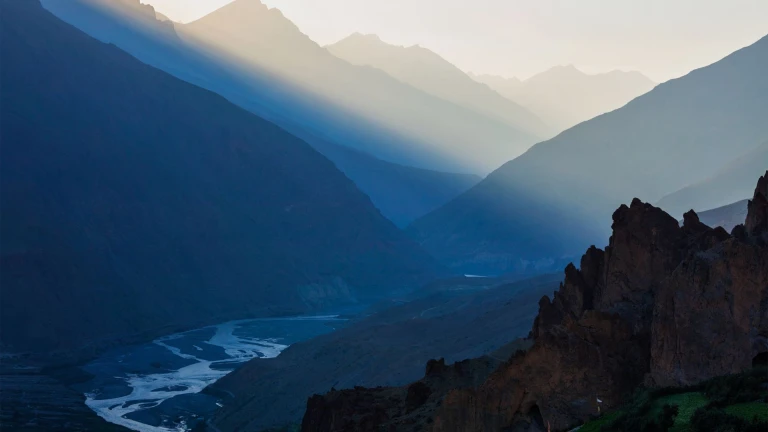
(663,305)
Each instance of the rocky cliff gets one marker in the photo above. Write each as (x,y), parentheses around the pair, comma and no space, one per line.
(662,305)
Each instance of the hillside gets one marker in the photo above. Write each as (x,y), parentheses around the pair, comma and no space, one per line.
(557,198)
(389,347)
(733,182)
(427,71)
(402,193)
(662,306)
(135,203)
(341,136)
(565,96)
(433,133)
(727,216)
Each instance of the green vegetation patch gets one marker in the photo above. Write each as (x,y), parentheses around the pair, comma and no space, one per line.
(687,404)
(749,411)
(732,403)
(597,424)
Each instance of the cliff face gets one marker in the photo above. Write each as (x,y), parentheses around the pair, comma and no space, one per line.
(663,305)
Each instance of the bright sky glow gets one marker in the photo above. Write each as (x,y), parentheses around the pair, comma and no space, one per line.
(661,38)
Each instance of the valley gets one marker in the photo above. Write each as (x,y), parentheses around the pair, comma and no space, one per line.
(156,387)
(345,216)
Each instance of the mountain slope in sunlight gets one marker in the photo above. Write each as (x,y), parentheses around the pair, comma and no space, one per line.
(437,134)
(431,73)
(134,202)
(131,27)
(731,183)
(547,203)
(564,96)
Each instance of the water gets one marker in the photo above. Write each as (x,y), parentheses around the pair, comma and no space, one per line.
(155,387)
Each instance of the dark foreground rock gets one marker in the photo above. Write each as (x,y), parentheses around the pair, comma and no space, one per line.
(663,305)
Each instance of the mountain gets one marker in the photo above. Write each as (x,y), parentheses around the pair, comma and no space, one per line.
(727,216)
(135,203)
(434,133)
(662,306)
(733,182)
(389,347)
(556,198)
(132,27)
(432,74)
(401,193)
(507,87)
(565,96)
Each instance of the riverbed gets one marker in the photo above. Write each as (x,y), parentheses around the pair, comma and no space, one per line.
(155,387)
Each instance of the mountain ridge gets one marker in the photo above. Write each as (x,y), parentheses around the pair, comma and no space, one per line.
(131,199)
(549,202)
(426,70)
(565,96)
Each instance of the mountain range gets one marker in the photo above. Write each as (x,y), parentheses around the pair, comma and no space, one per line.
(334,132)
(434,132)
(555,199)
(132,199)
(564,96)
(427,71)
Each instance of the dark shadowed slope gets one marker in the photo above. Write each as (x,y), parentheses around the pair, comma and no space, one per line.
(134,28)
(732,183)
(558,197)
(133,201)
(433,74)
(401,193)
(565,96)
(387,348)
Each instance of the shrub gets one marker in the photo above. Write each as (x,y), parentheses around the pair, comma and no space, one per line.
(717,420)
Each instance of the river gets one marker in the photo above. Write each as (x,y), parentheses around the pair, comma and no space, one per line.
(155,387)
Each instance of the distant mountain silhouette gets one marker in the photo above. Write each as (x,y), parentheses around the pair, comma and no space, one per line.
(132,27)
(731,183)
(564,96)
(133,202)
(433,74)
(439,134)
(507,87)
(547,203)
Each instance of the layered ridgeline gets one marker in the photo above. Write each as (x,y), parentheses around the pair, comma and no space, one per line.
(557,198)
(427,71)
(565,96)
(133,202)
(662,305)
(440,134)
(401,192)
(731,183)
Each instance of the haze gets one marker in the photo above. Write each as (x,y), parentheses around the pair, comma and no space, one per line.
(523,37)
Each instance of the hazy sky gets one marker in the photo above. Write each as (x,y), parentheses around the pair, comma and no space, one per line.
(661,38)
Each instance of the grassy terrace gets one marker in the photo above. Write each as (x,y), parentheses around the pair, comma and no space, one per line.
(735,403)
